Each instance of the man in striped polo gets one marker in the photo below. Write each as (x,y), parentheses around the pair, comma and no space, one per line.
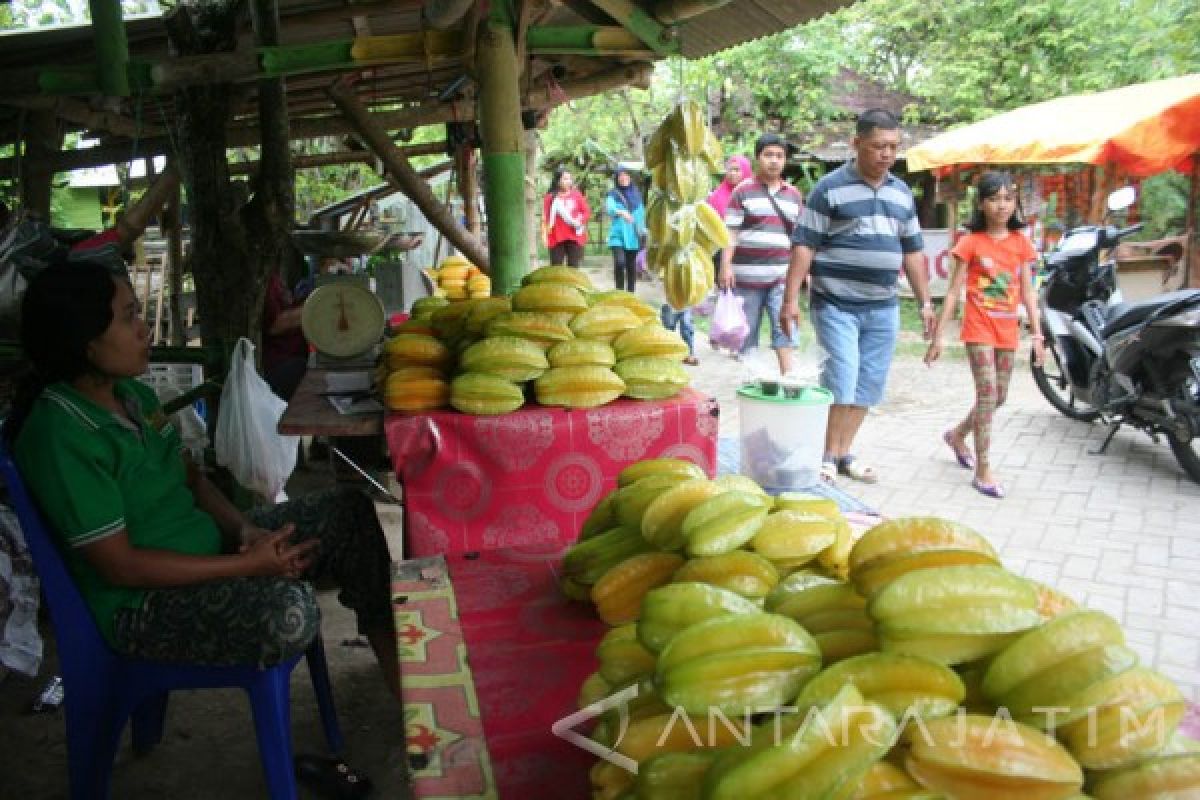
(857,231)
(761,214)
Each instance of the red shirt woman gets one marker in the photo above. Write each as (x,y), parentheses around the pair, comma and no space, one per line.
(565,216)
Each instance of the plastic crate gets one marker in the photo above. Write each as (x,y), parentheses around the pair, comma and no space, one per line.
(180,377)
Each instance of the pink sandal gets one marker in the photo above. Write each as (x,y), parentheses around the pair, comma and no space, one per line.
(964,457)
(993,490)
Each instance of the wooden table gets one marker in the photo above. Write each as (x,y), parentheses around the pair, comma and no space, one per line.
(310,413)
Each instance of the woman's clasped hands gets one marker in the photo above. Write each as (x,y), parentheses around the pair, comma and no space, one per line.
(272,552)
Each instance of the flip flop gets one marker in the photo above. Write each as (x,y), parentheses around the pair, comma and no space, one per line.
(993,490)
(964,457)
(850,467)
(331,777)
(829,471)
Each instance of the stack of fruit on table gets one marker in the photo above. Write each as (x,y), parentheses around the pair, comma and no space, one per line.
(556,340)
(761,652)
(458,279)
(683,229)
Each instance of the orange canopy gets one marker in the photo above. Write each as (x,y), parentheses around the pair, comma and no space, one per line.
(1144,129)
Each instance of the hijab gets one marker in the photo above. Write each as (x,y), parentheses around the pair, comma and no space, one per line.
(629,195)
(719,199)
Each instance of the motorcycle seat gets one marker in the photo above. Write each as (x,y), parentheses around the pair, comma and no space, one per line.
(1126,315)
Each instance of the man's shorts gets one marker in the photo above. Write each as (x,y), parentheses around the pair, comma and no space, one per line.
(858,345)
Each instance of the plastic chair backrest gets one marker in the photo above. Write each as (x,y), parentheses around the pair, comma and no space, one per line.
(75,627)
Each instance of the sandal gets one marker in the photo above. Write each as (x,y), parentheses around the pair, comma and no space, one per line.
(850,467)
(964,456)
(329,776)
(691,361)
(829,471)
(993,490)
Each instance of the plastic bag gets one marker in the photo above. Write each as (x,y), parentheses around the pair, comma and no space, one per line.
(247,443)
(729,326)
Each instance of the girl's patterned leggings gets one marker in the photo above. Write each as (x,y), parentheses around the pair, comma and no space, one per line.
(992,369)
(265,621)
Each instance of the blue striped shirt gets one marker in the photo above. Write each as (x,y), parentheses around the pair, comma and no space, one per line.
(858,235)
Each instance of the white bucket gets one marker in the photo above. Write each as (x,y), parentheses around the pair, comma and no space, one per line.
(783,434)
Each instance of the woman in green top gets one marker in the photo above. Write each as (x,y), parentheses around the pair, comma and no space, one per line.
(170,569)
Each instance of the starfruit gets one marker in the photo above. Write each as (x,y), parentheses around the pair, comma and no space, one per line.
(711,233)
(586,561)
(724,522)
(1121,720)
(651,340)
(662,522)
(623,659)
(793,537)
(673,776)
(594,689)
(1167,777)
(415,350)
(581,353)
(415,395)
(740,483)
(671,608)
(674,732)
(604,323)
(748,574)
(425,306)
(898,546)
(559,274)
(626,300)
(549,296)
(884,781)
(601,518)
(536,326)
(578,387)
(509,357)
(618,593)
(808,503)
(631,501)
(736,664)
(479,393)
(974,756)
(687,277)
(823,754)
(906,685)
(679,468)
(652,378)
(484,311)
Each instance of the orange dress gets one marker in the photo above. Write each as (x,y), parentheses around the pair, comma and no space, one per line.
(995,269)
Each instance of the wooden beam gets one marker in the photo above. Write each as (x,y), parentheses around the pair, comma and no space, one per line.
(641,24)
(444,14)
(402,172)
(80,113)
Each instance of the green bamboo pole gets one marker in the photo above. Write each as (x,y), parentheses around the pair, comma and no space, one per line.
(580,40)
(503,151)
(630,16)
(112,49)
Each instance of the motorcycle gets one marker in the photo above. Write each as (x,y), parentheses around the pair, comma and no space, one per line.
(1135,364)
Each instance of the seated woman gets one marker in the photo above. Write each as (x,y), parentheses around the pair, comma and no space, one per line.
(171,570)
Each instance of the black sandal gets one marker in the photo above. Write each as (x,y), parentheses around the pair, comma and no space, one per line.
(331,777)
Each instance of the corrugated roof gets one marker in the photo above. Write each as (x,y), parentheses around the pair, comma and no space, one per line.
(745,20)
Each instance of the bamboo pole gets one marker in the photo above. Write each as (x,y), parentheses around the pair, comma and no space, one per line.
(503,150)
(407,178)
(112,48)
(173,227)
(443,14)
(468,187)
(641,24)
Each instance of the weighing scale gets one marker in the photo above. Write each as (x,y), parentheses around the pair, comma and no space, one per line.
(344,321)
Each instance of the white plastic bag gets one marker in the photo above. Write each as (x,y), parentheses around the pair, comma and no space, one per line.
(247,443)
(729,326)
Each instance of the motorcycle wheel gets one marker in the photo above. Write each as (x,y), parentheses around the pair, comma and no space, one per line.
(1186,452)
(1051,380)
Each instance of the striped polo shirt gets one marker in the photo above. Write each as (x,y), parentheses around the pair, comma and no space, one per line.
(859,235)
(761,245)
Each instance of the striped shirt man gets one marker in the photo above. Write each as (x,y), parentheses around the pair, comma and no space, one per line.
(762,246)
(859,235)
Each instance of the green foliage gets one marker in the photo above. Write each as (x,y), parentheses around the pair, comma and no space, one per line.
(1163,205)
(39,13)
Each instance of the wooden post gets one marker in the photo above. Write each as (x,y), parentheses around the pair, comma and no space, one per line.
(407,178)
(533,194)
(503,150)
(173,228)
(468,187)
(43,138)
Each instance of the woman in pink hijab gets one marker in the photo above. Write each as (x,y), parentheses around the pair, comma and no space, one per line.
(737,169)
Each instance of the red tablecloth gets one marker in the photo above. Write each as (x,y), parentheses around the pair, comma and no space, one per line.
(528,479)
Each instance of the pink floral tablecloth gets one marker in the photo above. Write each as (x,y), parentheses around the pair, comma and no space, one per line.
(528,479)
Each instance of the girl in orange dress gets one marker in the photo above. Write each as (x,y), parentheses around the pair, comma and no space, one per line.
(995,263)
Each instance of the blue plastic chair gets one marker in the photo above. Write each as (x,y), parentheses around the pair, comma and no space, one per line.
(103,689)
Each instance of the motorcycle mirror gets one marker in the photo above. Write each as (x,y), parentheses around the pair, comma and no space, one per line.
(1122,198)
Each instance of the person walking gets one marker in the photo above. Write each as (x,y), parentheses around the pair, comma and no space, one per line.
(565,216)
(624,206)
(995,262)
(858,229)
(761,216)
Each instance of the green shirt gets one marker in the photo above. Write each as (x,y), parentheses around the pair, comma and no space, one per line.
(94,474)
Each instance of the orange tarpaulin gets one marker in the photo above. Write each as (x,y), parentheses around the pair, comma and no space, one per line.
(1143,129)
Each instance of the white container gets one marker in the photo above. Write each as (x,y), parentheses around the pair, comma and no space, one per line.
(783,434)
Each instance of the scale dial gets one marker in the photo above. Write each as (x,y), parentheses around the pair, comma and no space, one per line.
(342,319)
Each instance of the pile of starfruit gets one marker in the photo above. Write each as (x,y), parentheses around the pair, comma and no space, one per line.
(456,278)
(762,652)
(556,341)
(684,230)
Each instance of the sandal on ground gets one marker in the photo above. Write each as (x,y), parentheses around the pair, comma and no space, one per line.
(964,457)
(829,471)
(331,777)
(691,361)
(993,490)
(851,467)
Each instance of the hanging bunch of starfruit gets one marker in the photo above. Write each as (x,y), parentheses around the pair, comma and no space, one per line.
(684,230)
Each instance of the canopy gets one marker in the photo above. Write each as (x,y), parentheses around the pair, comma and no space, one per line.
(1144,129)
